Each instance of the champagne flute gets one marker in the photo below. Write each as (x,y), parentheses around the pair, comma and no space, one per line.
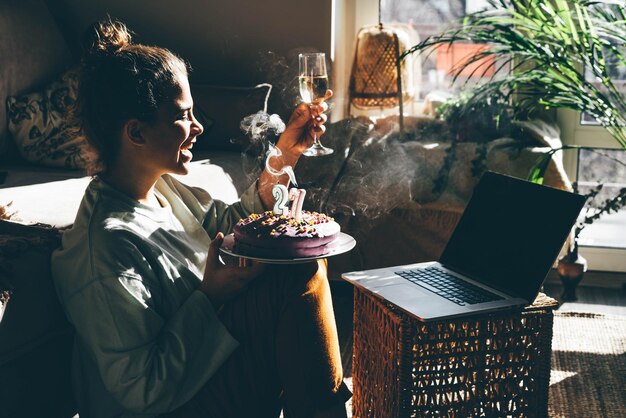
(313,81)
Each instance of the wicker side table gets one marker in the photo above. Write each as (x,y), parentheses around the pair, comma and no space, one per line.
(490,365)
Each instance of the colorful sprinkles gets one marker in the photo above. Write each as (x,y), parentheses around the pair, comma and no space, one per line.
(274,225)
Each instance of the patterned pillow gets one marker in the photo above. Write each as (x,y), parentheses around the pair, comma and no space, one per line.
(41,128)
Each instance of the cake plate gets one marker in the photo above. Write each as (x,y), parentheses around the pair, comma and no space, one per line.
(342,244)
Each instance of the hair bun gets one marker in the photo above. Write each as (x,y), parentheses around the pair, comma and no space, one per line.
(108,36)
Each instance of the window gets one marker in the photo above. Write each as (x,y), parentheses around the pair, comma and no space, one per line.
(606,167)
(602,243)
(429,17)
(426,17)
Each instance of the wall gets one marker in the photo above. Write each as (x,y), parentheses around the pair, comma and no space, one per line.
(232,42)
(350,16)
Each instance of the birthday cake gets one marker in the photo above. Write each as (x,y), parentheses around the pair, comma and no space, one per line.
(268,234)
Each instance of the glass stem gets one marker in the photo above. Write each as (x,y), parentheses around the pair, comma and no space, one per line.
(316,141)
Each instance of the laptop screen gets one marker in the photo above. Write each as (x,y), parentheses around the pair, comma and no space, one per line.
(511,233)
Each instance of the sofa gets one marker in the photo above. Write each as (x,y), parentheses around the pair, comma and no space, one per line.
(399,194)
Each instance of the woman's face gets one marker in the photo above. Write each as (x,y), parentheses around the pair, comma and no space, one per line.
(171,137)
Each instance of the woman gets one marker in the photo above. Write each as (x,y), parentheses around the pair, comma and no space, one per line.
(163,328)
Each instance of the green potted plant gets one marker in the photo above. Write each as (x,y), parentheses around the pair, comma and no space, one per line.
(471,120)
(540,55)
(544,53)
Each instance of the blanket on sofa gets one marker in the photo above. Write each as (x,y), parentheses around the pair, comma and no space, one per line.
(401,196)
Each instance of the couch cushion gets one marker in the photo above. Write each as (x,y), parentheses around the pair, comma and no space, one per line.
(42,129)
(40,126)
(33,52)
(52,196)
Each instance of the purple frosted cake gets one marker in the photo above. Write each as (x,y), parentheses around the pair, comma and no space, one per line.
(279,236)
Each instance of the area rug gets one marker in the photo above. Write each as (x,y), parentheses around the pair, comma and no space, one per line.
(588,376)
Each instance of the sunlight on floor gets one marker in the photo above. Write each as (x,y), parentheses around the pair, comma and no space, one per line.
(609,340)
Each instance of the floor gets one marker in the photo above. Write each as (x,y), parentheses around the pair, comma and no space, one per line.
(609,299)
(591,299)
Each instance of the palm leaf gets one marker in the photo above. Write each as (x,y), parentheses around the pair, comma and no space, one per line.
(549,45)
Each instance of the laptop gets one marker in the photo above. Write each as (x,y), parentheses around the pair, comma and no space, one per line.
(497,258)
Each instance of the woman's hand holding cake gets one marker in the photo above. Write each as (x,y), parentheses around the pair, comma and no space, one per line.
(222,282)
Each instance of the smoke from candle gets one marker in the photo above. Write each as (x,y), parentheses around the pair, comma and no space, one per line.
(274,152)
(258,127)
(373,170)
(260,124)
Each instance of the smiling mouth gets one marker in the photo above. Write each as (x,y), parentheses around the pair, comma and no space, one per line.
(185,150)
(187,146)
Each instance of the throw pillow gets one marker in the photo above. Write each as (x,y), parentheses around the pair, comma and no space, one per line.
(39,123)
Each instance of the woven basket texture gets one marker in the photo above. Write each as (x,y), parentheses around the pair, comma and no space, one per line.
(374,78)
(489,365)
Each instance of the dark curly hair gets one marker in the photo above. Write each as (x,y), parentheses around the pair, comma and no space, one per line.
(120,80)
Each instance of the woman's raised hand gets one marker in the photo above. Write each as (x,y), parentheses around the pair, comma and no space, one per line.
(305,121)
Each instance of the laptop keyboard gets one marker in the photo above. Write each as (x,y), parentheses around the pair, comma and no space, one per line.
(448,286)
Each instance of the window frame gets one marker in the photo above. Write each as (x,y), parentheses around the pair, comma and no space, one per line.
(348,17)
(573,132)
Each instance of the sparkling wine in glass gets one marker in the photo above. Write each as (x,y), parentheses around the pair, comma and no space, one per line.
(313,81)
